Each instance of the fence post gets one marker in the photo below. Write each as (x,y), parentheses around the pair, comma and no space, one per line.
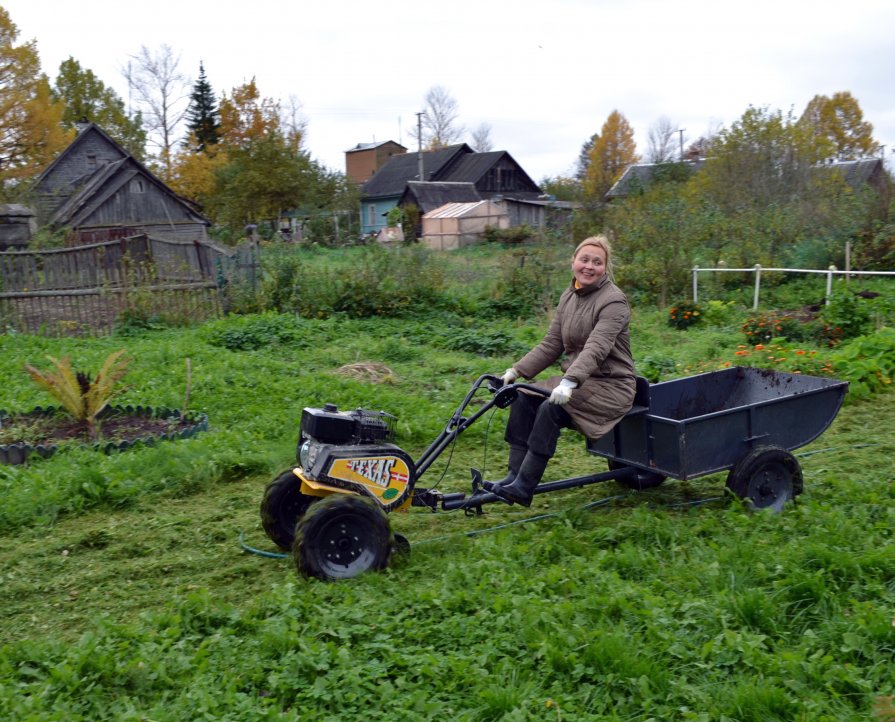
(695,284)
(830,271)
(757,286)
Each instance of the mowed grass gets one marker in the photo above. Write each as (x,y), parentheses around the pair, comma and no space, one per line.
(128,595)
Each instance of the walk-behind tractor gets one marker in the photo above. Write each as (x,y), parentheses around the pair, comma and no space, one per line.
(332,509)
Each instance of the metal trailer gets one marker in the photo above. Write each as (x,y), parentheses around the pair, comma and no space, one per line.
(743,420)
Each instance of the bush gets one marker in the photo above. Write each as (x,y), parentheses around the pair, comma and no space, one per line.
(246,333)
(718,313)
(867,363)
(510,236)
(524,289)
(653,368)
(847,315)
(764,327)
(483,343)
(684,314)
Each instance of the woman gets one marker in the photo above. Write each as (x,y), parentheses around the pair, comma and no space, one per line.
(597,386)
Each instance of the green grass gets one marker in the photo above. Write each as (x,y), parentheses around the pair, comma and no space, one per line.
(127,595)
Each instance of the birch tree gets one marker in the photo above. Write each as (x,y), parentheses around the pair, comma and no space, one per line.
(161,92)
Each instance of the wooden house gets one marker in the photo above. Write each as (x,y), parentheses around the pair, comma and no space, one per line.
(100,191)
(493,175)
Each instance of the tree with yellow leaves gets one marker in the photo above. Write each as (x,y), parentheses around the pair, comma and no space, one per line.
(612,151)
(838,127)
(31,131)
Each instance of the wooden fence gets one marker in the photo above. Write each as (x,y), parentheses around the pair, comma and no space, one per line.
(87,290)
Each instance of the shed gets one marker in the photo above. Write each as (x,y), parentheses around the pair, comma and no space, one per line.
(17,226)
(457,225)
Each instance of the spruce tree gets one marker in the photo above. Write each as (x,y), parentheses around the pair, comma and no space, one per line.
(203,118)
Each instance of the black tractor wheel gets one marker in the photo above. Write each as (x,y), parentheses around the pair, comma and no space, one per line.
(638,480)
(341,536)
(281,506)
(767,477)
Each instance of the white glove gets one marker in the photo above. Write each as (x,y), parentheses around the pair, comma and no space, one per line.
(509,376)
(562,393)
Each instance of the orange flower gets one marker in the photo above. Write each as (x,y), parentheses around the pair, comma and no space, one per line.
(800,353)
(741,353)
(759,346)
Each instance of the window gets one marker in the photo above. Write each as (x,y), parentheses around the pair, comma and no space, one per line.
(138,186)
(371,214)
(91,160)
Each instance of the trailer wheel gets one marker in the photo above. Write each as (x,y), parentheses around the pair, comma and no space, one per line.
(341,536)
(639,480)
(767,477)
(281,506)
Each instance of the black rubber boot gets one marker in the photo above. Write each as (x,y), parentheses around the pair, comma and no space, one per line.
(517,455)
(522,489)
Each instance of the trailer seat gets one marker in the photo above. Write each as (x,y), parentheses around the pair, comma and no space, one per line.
(610,442)
(641,397)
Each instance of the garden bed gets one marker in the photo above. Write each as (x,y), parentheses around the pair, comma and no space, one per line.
(42,431)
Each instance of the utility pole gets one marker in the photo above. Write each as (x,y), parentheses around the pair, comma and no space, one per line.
(419,138)
(681,131)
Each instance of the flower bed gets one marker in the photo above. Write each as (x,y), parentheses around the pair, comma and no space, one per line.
(43,430)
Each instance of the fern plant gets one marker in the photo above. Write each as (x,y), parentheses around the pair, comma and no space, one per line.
(80,396)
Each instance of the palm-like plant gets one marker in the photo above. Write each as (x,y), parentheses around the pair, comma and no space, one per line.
(82,398)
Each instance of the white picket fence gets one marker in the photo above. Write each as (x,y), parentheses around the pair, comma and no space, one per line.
(758,270)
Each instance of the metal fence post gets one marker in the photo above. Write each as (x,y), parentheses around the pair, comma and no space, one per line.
(695,284)
(830,270)
(757,286)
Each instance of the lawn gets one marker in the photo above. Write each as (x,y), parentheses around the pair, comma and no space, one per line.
(129,594)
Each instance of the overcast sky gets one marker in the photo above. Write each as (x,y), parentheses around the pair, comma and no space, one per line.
(545,75)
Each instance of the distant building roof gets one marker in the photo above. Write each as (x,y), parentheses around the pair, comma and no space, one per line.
(391,179)
(858,172)
(374,144)
(430,195)
(639,175)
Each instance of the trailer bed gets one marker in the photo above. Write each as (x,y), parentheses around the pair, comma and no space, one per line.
(704,424)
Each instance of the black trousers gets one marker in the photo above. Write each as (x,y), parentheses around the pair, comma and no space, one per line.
(535,424)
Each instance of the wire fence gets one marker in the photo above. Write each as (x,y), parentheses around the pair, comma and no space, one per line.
(757,269)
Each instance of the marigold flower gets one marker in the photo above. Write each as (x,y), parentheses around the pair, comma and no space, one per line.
(759,346)
(741,353)
(799,352)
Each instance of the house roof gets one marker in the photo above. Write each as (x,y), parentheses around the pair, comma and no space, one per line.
(456,210)
(453,164)
(80,138)
(473,166)
(96,188)
(639,175)
(370,146)
(391,179)
(430,195)
(858,172)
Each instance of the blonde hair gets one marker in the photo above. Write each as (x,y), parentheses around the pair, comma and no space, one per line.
(600,241)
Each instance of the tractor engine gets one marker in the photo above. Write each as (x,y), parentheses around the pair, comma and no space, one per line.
(351,450)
